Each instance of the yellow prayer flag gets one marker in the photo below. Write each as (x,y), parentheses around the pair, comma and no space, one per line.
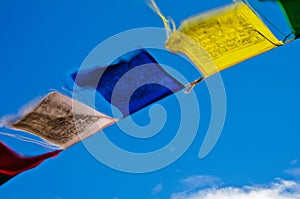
(221,38)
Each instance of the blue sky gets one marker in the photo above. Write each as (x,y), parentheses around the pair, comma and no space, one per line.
(42,41)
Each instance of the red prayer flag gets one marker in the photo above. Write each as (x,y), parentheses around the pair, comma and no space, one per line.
(12,164)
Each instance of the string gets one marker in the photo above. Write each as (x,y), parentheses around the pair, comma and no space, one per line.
(152,4)
(269,22)
(267,38)
(286,37)
(30,140)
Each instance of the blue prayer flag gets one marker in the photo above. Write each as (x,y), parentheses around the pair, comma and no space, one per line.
(130,85)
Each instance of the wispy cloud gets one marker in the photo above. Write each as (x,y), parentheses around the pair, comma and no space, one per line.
(294,172)
(200,181)
(157,189)
(277,190)
(293,162)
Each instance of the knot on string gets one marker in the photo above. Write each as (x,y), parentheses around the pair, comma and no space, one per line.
(193,84)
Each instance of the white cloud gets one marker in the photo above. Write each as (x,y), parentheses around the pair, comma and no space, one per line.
(279,190)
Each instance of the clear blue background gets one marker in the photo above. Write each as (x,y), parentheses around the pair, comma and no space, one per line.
(41,41)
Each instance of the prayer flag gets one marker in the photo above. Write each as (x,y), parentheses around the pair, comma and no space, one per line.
(222,38)
(291,8)
(11,163)
(61,120)
(130,85)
